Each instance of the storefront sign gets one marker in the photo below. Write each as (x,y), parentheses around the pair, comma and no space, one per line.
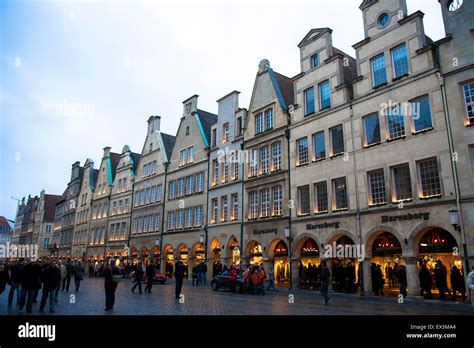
(406,217)
(268,230)
(325,225)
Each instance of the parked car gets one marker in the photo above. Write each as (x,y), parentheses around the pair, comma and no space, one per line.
(222,281)
(158,278)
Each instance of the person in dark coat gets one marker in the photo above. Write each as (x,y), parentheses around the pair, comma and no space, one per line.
(39,268)
(111,273)
(325,276)
(179,271)
(78,275)
(30,280)
(194,275)
(402,280)
(425,282)
(457,283)
(440,280)
(69,274)
(150,274)
(51,277)
(4,277)
(138,278)
(16,271)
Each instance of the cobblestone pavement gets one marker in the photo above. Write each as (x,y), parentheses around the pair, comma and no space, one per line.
(203,301)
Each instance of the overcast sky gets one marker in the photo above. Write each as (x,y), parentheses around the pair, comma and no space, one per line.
(78,76)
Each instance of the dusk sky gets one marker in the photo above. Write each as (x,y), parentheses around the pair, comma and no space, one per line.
(118,62)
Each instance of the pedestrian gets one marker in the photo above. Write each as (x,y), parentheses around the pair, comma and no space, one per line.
(401,276)
(255,281)
(425,281)
(271,278)
(39,267)
(51,277)
(112,277)
(199,269)
(63,270)
(470,285)
(138,278)
(69,272)
(29,283)
(78,275)
(457,283)
(4,277)
(179,275)
(203,272)
(261,281)
(325,276)
(194,275)
(150,275)
(233,272)
(440,280)
(16,271)
(91,270)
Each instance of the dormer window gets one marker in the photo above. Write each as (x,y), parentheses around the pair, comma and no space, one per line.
(314,61)
(187,130)
(383,20)
(151,147)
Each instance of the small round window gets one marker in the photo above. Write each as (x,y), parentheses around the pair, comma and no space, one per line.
(454,5)
(383,20)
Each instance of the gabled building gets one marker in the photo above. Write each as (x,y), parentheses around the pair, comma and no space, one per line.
(6,230)
(185,235)
(40,217)
(456,60)
(66,213)
(148,194)
(266,169)
(320,143)
(55,243)
(225,201)
(120,209)
(100,203)
(81,237)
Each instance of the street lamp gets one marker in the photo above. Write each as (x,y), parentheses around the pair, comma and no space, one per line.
(289,238)
(454,218)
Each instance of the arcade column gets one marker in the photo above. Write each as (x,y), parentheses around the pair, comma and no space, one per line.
(412,276)
(367,276)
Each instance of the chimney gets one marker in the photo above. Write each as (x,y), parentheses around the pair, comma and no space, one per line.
(190,105)
(107,151)
(75,170)
(154,123)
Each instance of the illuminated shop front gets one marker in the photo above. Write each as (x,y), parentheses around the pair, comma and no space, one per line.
(309,253)
(134,256)
(281,263)
(145,255)
(155,254)
(199,253)
(234,247)
(255,253)
(184,258)
(345,269)
(438,244)
(387,252)
(169,265)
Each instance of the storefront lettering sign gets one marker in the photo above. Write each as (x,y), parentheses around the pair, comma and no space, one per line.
(406,217)
(268,230)
(325,225)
